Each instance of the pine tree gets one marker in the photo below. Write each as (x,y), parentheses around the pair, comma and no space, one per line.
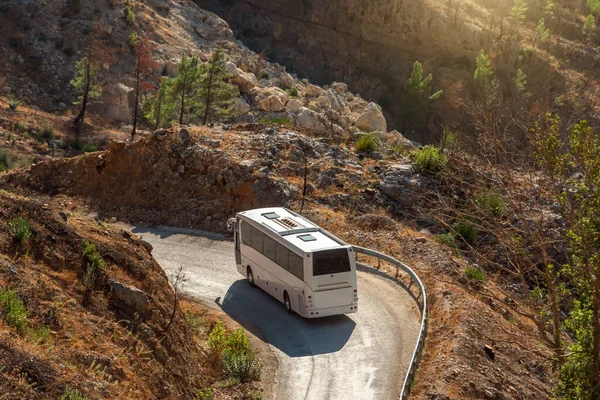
(542,34)
(185,86)
(163,108)
(414,100)
(144,65)
(87,85)
(215,91)
(518,13)
(521,82)
(589,24)
(483,72)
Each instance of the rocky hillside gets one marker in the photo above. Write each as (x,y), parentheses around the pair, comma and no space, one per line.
(372,45)
(104,335)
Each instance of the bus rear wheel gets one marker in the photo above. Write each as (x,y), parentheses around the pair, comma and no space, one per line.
(287,302)
(250,277)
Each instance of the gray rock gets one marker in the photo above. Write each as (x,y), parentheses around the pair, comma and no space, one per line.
(242,105)
(245,80)
(271,103)
(293,106)
(371,119)
(311,121)
(286,80)
(313,91)
(160,134)
(64,215)
(128,298)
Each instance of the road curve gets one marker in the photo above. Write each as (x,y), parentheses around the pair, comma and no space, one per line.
(360,356)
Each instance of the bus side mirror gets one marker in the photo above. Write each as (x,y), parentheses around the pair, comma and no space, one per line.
(230,224)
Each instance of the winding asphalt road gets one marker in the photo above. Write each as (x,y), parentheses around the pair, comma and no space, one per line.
(359,356)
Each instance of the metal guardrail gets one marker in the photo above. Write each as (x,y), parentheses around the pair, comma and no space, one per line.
(408,380)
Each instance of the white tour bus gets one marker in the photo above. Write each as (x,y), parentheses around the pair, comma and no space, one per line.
(300,264)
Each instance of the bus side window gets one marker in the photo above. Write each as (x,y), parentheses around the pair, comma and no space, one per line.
(296,265)
(257,240)
(246,234)
(282,255)
(269,247)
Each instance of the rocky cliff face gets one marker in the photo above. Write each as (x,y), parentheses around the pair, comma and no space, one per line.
(370,45)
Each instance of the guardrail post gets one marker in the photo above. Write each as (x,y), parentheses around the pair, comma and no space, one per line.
(378,263)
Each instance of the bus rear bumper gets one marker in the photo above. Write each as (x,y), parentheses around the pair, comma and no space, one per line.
(327,312)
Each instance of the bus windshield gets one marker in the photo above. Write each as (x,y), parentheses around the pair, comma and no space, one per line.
(331,262)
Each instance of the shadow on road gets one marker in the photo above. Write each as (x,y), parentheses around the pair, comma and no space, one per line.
(295,336)
(164,233)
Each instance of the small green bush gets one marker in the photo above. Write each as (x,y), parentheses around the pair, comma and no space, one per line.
(205,394)
(20,229)
(283,120)
(265,75)
(447,239)
(88,148)
(13,102)
(294,92)
(72,394)
(233,348)
(133,40)
(430,159)
(22,127)
(492,201)
(93,263)
(475,274)
(41,335)
(4,160)
(129,15)
(47,130)
(367,143)
(15,313)
(467,231)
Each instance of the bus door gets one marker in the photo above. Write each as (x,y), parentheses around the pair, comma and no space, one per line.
(236,235)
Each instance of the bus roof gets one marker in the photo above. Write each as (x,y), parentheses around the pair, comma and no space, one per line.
(294,228)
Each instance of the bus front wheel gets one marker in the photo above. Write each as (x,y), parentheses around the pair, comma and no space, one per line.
(287,302)
(250,277)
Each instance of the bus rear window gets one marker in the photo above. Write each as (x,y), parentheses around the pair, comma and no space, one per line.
(331,262)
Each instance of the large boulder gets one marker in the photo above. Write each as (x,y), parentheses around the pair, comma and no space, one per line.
(395,139)
(311,121)
(116,103)
(271,103)
(339,87)
(293,106)
(242,105)
(128,299)
(286,80)
(400,182)
(313,91)
(246,81)
(371,119)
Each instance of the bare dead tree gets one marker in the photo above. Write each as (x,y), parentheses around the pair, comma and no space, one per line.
(177,280)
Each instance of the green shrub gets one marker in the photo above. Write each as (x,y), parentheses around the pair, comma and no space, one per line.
(283,120)
(22,127)
(265,75)
(13,102)
(93,263)
(4,160)
(492,201)
(205,394)
(475,274)
(430,159)
(41,335)
(129,15)
(447,239)
(47,130)
(20,229)
(367,143)
(22,162)
(466,231)
(88,148)
(133,40)
(294,92)
(233,348)
(15,313)
(72,394)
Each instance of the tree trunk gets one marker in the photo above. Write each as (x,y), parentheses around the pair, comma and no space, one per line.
(158,111)
(137,98)
(210,78)
(181,112)
(81,116)
(595,372)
